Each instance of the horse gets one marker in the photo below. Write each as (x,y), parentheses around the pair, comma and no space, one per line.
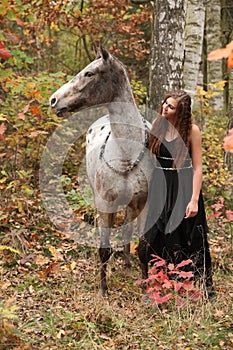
(117,158)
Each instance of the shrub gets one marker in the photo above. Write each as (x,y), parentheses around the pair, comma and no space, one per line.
(167,281)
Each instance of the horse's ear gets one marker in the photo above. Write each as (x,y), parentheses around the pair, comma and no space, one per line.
(101,52)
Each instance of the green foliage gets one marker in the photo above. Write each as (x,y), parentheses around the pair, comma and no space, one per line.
(140,91)
(213,124)
(215,174)
(9,335)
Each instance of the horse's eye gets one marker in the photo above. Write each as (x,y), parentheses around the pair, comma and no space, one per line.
(88,74)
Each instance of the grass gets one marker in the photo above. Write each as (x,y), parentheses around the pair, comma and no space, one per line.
(58,306)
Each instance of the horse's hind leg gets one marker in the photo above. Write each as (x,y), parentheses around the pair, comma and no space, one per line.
(127,234)
(105,251)
(142,254)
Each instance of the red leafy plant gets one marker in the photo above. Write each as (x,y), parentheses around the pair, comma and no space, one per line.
(220,209)
(167,281)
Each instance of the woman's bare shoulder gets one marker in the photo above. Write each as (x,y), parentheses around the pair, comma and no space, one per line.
(195,130)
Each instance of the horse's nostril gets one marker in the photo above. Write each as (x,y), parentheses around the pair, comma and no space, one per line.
(53,102)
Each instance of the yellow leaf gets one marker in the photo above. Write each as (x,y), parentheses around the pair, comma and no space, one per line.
(31,85)
(133,248)
(3,117)
(54,26)
(53,251)
(2,247)
(20,207)
(73,265)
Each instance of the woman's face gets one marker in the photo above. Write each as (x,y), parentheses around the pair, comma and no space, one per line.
(169,108)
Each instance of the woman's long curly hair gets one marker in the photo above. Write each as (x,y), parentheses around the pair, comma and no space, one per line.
(183,124)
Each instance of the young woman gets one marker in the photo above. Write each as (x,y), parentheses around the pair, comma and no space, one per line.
(176,227)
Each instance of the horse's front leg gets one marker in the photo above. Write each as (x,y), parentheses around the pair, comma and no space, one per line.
(105,251)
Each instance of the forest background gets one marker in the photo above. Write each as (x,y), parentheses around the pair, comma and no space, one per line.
(48,282)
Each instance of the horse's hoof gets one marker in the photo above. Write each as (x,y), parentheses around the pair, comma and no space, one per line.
(211,295)
(103,293)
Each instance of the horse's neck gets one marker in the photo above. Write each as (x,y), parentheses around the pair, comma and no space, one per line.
(127,127)
(123,113)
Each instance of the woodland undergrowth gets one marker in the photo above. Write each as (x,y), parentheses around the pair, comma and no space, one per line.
(49,282)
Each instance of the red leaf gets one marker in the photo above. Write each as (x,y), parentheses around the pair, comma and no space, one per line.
(2,129)
(167,284)
(158,261)
(217,206)
(222,200)
(219,53)
(160,300)
(225,52)
(230,60)
(186,274)
(229,215)
(5,54)
(228,141)
(155,287)
(26,108)
(180,302)
(161,276)
(35,110)
(195,295)
(21,116)
(188,285)
(184,263)
(215,215)
(171,267)
(177,286)
(19,22)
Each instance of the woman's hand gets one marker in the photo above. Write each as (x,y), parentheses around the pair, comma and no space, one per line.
(192,209)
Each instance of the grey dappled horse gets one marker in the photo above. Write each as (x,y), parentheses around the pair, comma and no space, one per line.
(118,164)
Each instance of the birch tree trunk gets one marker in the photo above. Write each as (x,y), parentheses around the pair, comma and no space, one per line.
(213,41)
(167,55)
(227,33)
(194,33)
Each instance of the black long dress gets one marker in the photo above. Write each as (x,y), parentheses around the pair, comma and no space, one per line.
(167,232)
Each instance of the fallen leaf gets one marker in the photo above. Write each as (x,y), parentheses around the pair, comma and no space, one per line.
(5,285)
(60,334)
(41,260)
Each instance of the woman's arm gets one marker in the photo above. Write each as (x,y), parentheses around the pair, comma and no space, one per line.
(196,147)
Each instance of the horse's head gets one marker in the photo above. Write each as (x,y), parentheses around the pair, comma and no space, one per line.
(98,83)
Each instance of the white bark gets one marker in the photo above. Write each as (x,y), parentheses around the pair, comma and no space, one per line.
(194,32)
(166,69)
(213,42)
